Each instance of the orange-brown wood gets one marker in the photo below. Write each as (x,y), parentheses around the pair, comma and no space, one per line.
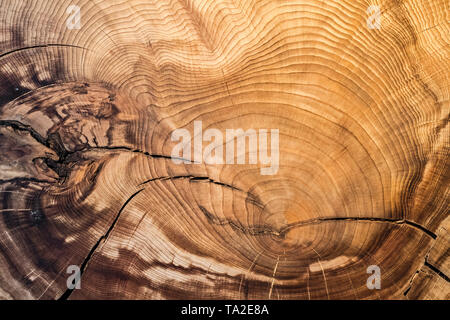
(87,179)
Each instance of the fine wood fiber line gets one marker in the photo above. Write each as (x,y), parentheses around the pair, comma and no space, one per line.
(227,149)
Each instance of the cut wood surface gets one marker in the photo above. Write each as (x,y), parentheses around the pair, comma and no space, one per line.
(87,178)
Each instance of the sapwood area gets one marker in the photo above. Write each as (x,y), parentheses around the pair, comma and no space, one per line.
(87,178)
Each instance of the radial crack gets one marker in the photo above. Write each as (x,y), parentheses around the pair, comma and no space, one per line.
(103,238)
(437,271)
(54,142)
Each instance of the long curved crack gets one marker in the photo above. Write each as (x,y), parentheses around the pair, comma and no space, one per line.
(41,46)
(263,229)
(54,142)
(103,238)
(193,179)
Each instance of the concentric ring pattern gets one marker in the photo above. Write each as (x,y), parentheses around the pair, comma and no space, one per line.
(87,179)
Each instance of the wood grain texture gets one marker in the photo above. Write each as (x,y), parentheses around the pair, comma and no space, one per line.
(86,177)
